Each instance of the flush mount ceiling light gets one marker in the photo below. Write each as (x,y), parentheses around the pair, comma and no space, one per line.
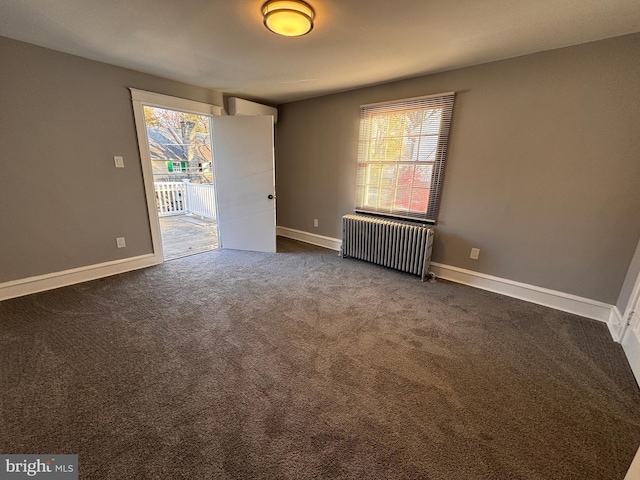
(291,18)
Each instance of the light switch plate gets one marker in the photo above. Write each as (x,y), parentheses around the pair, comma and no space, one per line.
(119,161)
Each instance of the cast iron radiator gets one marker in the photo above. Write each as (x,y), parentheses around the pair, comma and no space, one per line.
(391,243)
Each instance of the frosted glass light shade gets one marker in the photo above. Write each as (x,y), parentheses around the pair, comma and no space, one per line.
(290,18)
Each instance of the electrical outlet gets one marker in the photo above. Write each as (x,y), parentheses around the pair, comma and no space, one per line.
(120,242)
(475,253)
(119,161)
(315,222)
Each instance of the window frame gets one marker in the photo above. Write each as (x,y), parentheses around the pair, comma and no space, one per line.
(442,101)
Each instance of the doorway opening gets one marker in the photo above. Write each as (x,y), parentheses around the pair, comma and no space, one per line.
(179,146)
(241,206)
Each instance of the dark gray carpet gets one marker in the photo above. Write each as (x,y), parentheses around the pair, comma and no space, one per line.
(305,365)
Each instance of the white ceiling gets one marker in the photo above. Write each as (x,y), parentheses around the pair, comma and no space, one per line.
(222,44)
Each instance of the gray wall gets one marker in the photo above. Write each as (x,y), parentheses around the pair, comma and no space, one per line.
(62,119)
(542,173)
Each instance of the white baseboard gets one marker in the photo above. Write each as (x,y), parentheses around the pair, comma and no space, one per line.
(565,302)
(312,238)
(40,283)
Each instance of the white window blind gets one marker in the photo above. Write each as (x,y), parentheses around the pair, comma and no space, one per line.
(401,154)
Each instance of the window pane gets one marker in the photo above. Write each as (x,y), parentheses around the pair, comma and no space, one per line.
(422,176)
(419,199)
(371,199)
(405,175)
(426,151)
(389,175)
(393,149)
(374,172)
(396,125)
(410,148)
(403,199)
(385,201)
(431,122)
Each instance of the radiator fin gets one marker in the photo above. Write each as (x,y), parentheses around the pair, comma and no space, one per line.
(394,244)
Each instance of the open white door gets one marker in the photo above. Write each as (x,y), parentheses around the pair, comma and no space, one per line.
(243,157)
(631,341)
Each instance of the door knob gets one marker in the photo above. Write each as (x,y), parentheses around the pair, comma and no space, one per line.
(271,197)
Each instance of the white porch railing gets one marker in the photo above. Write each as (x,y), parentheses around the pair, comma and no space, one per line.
(179,198)
(170,198)
(201,199)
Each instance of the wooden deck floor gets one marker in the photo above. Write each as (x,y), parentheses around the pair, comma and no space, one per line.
(183,235)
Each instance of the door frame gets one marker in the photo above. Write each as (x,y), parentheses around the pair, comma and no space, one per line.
(141,99)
